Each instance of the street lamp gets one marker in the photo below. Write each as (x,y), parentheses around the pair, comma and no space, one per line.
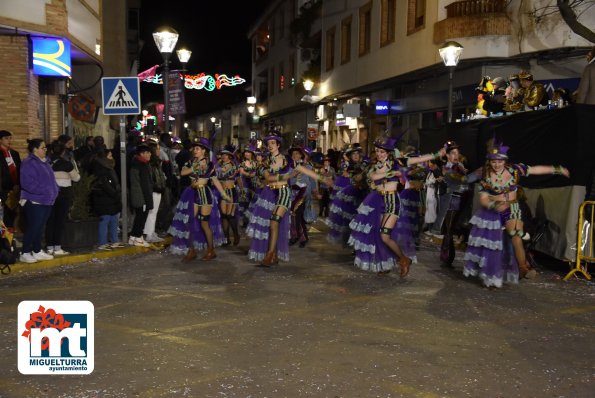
(184,57)
(166,39)
(308,85)
(450,52)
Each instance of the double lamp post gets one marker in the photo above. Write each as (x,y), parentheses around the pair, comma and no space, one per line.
(166,39)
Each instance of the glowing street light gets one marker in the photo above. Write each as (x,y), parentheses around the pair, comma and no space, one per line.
(165,40)
(450,53)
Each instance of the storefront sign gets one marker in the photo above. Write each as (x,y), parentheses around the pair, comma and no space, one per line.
(51,56)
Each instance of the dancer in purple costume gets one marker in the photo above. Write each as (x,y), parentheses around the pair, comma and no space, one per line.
(228,175)
(373,234)
(407,228)
(488,255)
(247,170)
(269,221)
(346,199)
(197,222)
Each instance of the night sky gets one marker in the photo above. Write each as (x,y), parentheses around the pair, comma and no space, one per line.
(217,35)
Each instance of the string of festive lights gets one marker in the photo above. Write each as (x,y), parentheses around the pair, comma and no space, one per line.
(202,81)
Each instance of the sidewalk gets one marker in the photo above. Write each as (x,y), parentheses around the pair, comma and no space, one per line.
(77,258)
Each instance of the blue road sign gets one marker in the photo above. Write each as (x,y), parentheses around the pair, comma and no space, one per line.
(121,95)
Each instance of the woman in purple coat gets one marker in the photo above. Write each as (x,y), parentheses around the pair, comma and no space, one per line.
(38,193)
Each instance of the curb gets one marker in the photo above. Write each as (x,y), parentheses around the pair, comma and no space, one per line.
(77,258)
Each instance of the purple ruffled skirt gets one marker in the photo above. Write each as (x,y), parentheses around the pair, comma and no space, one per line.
(341,211)
(489,252)
(371,254)
(408,222)
(258,228)
(185,228)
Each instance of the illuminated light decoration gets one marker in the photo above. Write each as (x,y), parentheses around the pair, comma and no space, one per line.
(51,57)
(202,81)
(282,82)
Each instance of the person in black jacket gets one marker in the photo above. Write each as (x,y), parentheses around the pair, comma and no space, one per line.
(141,193)
(10,167)
(66,172)
(106,200)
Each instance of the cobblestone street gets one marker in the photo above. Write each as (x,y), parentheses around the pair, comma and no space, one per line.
(315,326)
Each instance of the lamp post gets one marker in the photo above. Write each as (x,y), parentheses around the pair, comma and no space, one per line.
(450,52)
(184,57)
(166,39)
(308,85)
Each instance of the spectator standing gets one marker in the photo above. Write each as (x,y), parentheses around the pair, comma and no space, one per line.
(106,199)
(141,193)
(10,166)
(158,186)
(66,172)
(38,193)
(69,147)
(586,88)
(84,150)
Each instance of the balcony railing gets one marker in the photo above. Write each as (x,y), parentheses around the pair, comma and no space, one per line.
(475,7)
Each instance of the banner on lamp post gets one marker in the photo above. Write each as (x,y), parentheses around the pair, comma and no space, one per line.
(177,102)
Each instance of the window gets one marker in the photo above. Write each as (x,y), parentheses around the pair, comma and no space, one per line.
(365,28)
(281,77)
(346,40)
(388,20)
(329,48)
(416,16)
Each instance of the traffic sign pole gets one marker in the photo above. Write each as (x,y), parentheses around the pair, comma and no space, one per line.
(123,182)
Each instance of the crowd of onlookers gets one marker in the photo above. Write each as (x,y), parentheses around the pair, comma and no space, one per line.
(37,193)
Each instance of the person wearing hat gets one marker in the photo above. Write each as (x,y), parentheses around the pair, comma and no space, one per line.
(373,228)
(495,98)
(269,226)
(408,226)
(197,221)
(346,196)
(452,202)
(228,175)
(247,169)
(141,193)
(302,189)
(10,167)
(514,94)
(535,94)
(497,224)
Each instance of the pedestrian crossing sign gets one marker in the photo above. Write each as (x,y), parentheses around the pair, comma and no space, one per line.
(121,95)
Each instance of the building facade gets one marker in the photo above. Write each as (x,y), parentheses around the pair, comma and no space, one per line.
(34,105)
(377,69)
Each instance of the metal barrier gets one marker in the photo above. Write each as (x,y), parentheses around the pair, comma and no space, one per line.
(584,241)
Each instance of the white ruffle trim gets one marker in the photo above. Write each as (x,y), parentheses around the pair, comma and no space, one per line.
(356,226)
(364,209)
(483,242)
(486,224)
